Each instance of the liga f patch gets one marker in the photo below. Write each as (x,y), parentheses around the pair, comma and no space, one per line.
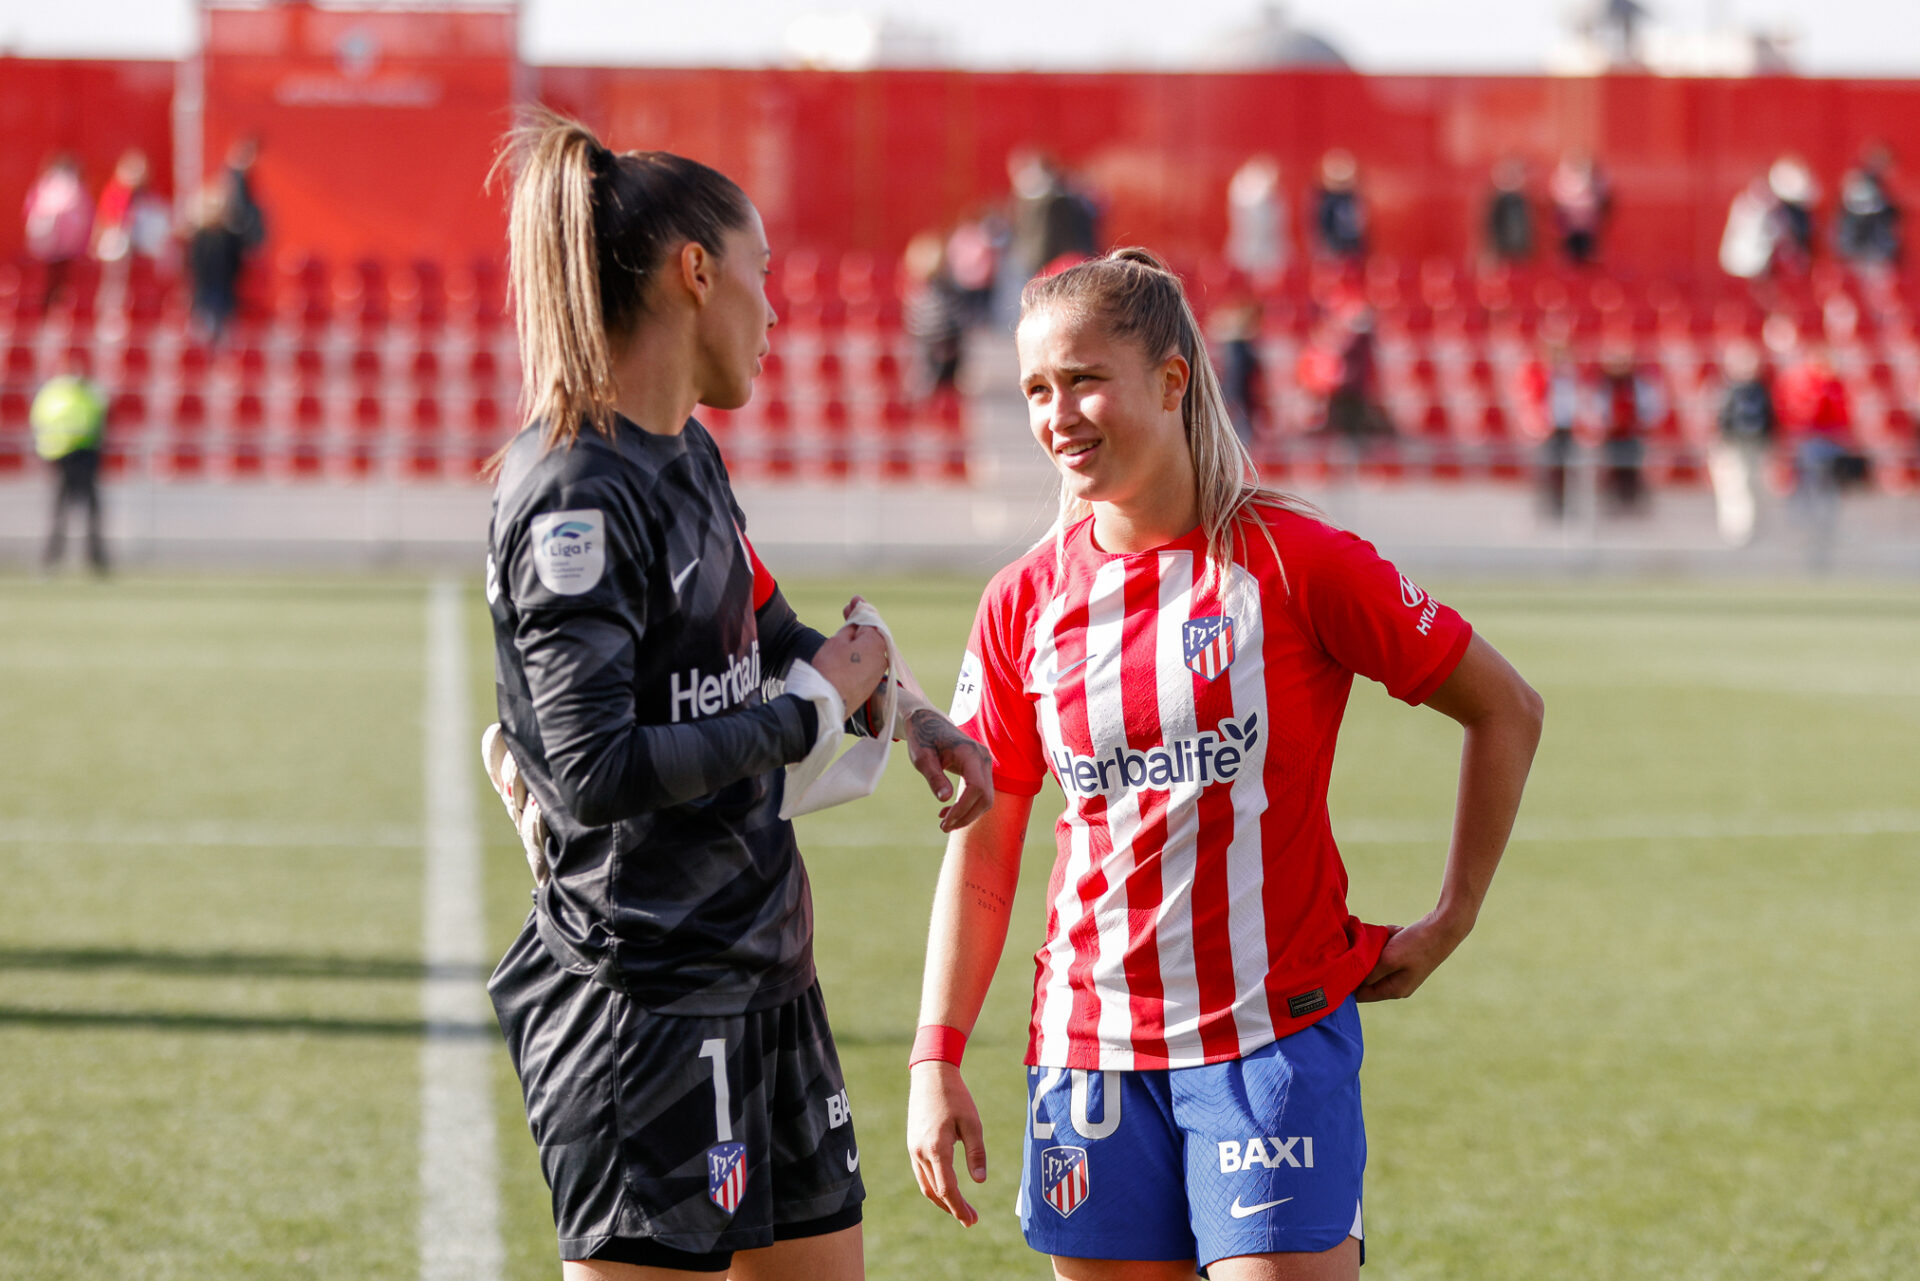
(1064,1182)
(570,550)
(727,1175)
(1207,644)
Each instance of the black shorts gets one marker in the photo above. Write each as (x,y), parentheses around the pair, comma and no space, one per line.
(676,1140)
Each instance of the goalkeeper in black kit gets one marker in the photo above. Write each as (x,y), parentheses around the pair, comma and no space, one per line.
(660,1004)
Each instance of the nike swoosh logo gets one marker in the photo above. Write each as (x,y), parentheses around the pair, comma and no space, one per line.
(1058,672)
(682,576)
(1239,1211)
(853,1160)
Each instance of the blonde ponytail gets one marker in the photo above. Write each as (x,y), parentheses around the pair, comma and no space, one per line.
(553,275)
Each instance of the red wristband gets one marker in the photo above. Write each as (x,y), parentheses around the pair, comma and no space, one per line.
(938,1042)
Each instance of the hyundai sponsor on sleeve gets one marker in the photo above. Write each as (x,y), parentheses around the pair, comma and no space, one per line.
(1413,597)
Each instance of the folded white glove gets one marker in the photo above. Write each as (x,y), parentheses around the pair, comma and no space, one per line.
(821,780)
(523,810)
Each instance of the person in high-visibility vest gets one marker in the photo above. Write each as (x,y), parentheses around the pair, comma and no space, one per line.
(69,418)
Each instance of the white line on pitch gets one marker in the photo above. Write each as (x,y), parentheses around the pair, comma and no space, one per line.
(459,1193)
(237,835)
(1652,827)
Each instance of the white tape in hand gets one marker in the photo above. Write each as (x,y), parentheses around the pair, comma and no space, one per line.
(820,780)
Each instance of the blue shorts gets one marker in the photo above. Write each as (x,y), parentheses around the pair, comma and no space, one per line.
(1257,1155)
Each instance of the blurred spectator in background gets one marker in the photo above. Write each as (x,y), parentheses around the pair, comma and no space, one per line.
(1054,223)
(973,262)
(1257,222)
(1339,210)
(1629,406)
(216,252)
(1746,246)
(1549,393)
(1582,202)
(1769,228)
(132,221)
(1866,231)
(244,214)
(1748,424)
(1341,366)
(1510,213)
(934,315)
(59,219)
(69,419)
(1795,196)
(1817,419)
(1242,374)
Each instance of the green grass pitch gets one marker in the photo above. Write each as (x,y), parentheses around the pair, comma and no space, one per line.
(1682,1042)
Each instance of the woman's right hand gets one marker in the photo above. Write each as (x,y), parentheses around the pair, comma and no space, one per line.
(940,1113)
(853,659)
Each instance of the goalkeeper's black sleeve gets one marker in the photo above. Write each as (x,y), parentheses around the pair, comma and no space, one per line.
(605,764)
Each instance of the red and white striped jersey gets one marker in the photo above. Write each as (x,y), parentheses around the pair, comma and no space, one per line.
(1197,909)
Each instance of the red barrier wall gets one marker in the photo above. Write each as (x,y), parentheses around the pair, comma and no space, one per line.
(94,109)
(865,160)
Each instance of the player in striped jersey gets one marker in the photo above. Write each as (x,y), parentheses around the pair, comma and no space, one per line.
(1177,656)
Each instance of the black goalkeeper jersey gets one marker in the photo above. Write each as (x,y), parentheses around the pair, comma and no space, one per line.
(634,630)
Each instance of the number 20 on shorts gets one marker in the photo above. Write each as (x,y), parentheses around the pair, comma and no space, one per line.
(1087,1129)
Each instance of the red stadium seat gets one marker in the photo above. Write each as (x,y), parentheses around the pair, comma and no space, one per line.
(126,411)
(186,447)
(424,437)
(896,443)
(482,367)
(365,367)
(23,366)
(417,295)
(126,424)
(132,364)
(776,425)
(425,369)
(250,363)
(191,364)
(309,366)
(837,456)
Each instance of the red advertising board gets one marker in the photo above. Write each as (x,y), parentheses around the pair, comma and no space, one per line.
(376,126)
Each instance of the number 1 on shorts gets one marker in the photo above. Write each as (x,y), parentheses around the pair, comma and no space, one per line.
(716,1049)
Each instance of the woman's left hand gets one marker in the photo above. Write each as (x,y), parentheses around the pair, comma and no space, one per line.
(1411,954)
(937,749)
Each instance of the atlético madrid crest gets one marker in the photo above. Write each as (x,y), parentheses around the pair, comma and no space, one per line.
(1063,1178)
(1208,643)
(727,1175)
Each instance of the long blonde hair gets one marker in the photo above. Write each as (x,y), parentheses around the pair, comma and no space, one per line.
(1132,295)
(586,231)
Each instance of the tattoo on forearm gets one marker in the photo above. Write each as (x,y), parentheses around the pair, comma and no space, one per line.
(929,729)
(986,896)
